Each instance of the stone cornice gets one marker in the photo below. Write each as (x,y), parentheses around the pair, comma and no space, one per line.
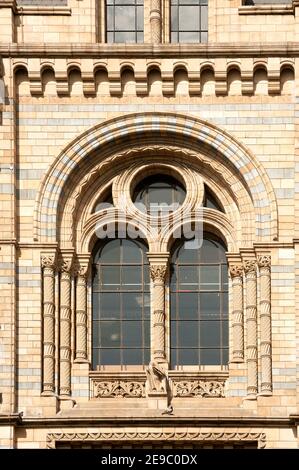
(280,9)
(13,419)
(211,50)
(43,10)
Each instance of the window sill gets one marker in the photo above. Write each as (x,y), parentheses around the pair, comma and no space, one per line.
(268,9)
(46,11)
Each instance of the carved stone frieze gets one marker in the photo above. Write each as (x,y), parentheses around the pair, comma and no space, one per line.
(119,389)
(198,388)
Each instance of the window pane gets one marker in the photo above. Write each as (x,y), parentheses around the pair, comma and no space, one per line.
(174,37)
(188,277)
(110,37)
(188,334)
(188,357)
(210,334)
(110,277)
(204,18)
(132,306)
(131,252)
(110,18)
(132,356)
(146,333)
(124,18)
(109,306)
(225,333)
(209,306)
(109,357)
(210,277)
(225,356)
(124,37)
(140,37)
(174,18)
(190,36)
(140,18)
(188,18)
(110,253)
(131,277)
(109,334)
(188,305)
(204,37)
(132,333)
(210,356)
(147,356)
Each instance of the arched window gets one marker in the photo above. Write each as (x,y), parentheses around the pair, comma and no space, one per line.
(199,303)
(121,303)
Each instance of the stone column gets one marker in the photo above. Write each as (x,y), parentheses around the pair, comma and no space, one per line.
(48,265)
(81,312)
(264,263)
(155,21)
(251,321)
(65,327)
(158,269)
(236,273)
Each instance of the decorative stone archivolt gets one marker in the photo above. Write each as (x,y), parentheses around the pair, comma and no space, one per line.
(183,435)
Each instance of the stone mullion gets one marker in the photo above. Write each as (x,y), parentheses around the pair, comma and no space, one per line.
(156,21)
(158,273)
(264,263)
(236,273)
(48,265)
(65,328)
(81,314)
(251,321)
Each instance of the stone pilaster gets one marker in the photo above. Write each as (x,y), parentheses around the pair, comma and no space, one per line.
(81,311)
(236,273)
(251,321)
(65,326)
(264,263)
(48,262)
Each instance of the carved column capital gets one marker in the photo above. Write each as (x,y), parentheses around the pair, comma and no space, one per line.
(249,266)
(66,265)
(235,270)
(81,268)
(158,272)
(264,261)
(48,261)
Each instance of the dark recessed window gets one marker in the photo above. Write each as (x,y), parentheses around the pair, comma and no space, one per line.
(124,21)
(199,304)
(189,21)
(121,303)
(211,201)
(159,193)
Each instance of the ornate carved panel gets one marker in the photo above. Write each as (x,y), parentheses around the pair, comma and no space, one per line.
(198,388)
(119,389)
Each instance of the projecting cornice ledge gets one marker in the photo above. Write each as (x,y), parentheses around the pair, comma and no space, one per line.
(98,50)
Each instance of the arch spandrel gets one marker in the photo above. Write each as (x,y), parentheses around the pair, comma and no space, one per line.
(104,142)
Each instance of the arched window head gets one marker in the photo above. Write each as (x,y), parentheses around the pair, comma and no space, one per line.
(159,193)
(211,201)
(199,303)
(121,303)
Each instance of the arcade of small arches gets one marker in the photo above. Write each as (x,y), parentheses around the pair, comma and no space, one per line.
(150,295)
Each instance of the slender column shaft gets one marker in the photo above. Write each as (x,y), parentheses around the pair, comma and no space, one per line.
(155,21)
(264,263)
(251,320)
(236,273)
(158,273)
(65,328)
(81,315)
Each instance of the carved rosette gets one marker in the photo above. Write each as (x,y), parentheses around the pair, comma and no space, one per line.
(119,389)
(251,320)
(81,312)
(65,326)
(158,274)
(48,263)
(198,388)
(236,273)
(155,21)
(264,263)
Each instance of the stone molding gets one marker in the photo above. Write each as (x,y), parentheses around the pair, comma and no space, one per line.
(119,389)
(170,436)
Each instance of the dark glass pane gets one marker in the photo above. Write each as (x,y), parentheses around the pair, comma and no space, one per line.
(110,253)
(210,357)
(109,357)
(96,326)
(224,276)
(188,357)
(225,356)
(132,356)
(124,37)
(147,356)
(95,357)
(159,190)
(188,334)
(146,333)
(132,333)
(224,299)
(109,334)
(210,334)
(204,18)
(173,305)
(146,274)
(140,18)
(131,252)
(204,37)
(174,18)
(188,277)
(132,306)
(209,306)
(110,277)
(174,357)
(109,306)
(96,305)
(187,255)
(210,277)
(212,252)
(189,36)
(173,333)
(188,18)
(225,333)
(188,305)
(110,18)
(124,18)
(131,277)
(147,305)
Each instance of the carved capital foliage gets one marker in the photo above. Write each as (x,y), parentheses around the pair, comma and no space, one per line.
(48,261)
(81,269)
(66,265)
(158,272)
(264,261)
(249,266)
(119,389)
(235,270)
(198,388)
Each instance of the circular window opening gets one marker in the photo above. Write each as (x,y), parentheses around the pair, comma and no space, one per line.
(159,195)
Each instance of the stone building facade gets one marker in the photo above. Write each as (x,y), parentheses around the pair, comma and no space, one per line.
(99,99)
